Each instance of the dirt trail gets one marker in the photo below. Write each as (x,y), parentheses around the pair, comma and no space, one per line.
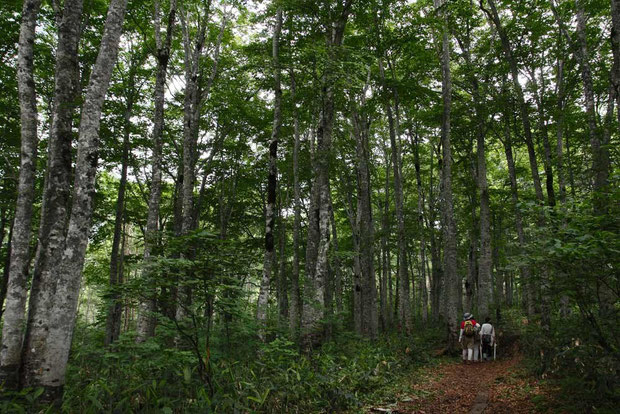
(453,387)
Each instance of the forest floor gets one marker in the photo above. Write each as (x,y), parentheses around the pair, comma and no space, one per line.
(497,387)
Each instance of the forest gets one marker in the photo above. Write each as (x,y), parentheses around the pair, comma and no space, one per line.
(286,206)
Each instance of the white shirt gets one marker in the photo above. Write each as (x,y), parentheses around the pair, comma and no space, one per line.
(487,329)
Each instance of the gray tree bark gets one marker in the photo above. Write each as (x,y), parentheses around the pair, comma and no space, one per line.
(282,273)
(57,186)
(365,224)
(14,315)
(485,288)
(337,266)
(146,321)
(421,228)
(48,344)
(263,296)
(295,302)
(113,318)
(447,207)
(615,50)
(318,247)
(514,191)
(560,105)
(600,153)
(404,305)
(388,300)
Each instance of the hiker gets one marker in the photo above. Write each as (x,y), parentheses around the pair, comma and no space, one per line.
(477,345)
(487,337)
(467,336)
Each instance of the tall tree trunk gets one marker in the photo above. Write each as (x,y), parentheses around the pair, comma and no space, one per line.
(263,296)
(524,269)
(295,303)
(600,153)
(14,315)
(560,109)
(615,50)
(447,208)
(485,288)
(5,272)
(337,264)
(313,308)
(361,125)
(146,321)
(544,133)
(421,229)
(357,268)
(404,308)
(282,273)
(113,319)
(385,248)
(57,187)
(191,102)
(48,341)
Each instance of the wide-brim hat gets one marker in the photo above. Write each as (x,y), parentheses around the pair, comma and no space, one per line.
(467,316)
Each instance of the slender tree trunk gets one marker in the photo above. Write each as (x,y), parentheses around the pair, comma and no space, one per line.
(525,271)
(421,228)
(263,296)
(47,351)
(435,269)
(600,153)
(282,274)
(615,50)
(295,304)
(560,108)
(447,208)
(404,308)
(146,321)
(5,272)
(485,288)
(14,314)
(113,319)
(369,327)
(544,133)
(385,248)
(357,269)
(337,264)
(191,102)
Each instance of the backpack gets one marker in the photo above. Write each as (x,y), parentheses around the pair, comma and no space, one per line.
(486,339)
(468,328)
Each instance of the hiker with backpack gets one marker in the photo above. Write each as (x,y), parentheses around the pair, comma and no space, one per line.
(487,337)
(467,336)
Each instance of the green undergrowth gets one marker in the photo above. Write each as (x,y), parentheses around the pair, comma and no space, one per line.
(342,375)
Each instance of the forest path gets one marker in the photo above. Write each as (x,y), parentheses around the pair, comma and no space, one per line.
(453,387)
